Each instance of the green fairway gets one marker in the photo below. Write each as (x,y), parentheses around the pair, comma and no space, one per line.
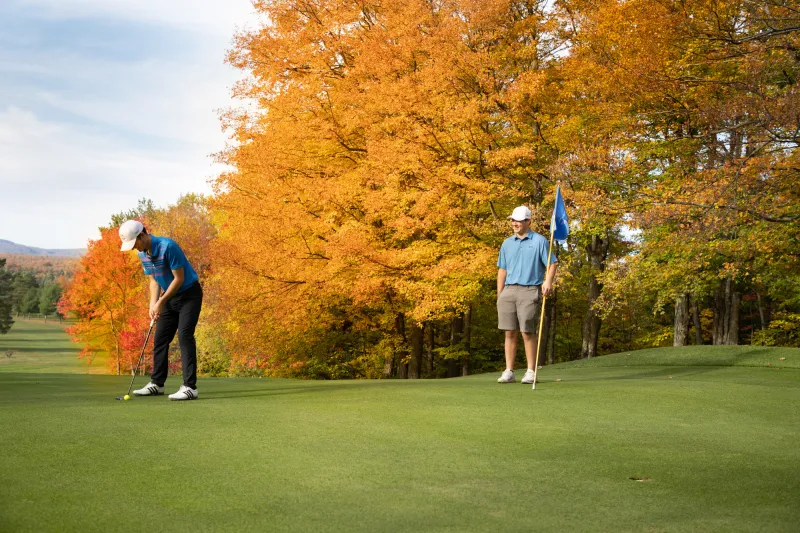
(648,443)
(39,346)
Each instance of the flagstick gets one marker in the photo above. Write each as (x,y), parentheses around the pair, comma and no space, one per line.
(541,312)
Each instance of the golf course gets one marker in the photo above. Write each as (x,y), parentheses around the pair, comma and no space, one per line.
(666,440)
(412,266)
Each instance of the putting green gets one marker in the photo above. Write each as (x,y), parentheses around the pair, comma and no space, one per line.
(628,446)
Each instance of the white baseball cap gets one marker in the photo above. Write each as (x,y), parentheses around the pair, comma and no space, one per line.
(520,213)
(128,233)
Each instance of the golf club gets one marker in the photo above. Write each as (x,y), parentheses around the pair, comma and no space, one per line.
(141,356)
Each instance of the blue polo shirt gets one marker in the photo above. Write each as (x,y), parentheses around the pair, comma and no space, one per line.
(166,257)
(524,259)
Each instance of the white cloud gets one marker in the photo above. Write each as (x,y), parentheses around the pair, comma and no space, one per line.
(212,16)
(83,136)
(152,97)
(173,97)
(55,176)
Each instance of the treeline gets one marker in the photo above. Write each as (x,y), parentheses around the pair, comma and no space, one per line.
(24,292)
(382,145)
(52,267)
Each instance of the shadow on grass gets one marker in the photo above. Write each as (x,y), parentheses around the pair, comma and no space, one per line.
(42,330)
(211,396)
(27,339)
(664,372)
(248,393)
(752,354)
(19,350)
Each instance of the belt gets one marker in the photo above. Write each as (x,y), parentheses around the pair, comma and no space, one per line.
(518,285)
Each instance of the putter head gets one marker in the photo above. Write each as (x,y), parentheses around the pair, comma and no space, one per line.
(118,398)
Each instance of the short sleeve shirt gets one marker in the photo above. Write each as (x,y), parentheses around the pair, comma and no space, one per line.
(524,260)
(166,257)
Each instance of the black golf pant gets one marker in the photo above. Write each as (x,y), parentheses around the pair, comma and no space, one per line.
(179,316)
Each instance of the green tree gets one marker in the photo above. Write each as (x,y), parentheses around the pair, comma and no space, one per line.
(700,100)
(48,299)
(145,210)
(6,298)
(30,302)
(22,282)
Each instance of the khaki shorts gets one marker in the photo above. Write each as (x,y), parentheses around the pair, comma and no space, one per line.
(518,308)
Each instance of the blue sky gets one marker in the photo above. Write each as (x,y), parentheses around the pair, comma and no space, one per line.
(104,102)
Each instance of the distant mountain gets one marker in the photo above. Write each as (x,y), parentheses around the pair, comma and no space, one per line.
(8,247)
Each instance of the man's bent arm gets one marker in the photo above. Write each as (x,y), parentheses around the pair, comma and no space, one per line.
(177,281)
(547,287)
(155,290)
(501,280)
(157,304)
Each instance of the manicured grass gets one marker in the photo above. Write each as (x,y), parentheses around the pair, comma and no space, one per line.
(716,447)
(754,356)
(40,346)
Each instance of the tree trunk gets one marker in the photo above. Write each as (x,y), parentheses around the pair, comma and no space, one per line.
(597,252)
(430,346)
(681,332)
(401,364)
(415,363)
(390,366)
(465,361)
(726,314)
(428,333)
(456,329)
(761,317)
(732,333)
(698,328)
(720,318)
(443,339)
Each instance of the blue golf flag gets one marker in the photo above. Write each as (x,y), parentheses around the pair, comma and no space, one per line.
(559,224)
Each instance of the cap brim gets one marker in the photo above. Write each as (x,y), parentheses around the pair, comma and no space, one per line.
(127,245)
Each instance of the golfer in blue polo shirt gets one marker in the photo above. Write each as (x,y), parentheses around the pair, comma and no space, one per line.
(176,299)
(522,277)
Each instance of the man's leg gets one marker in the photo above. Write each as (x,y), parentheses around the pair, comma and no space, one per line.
(166,326)
(529,340)
(511,348)
(191,304)
(507,321)
(528,309)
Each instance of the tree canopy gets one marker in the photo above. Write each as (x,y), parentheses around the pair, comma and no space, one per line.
(379,147)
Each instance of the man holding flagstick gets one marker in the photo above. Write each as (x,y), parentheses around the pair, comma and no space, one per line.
(526,269)
(559,229)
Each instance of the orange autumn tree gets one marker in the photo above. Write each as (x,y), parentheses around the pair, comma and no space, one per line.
(109,295)
(368,182)
(704,93)
(186,222)
(105,295)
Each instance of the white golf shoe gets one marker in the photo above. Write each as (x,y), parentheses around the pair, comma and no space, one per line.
(184,393)
(507,377)
(151,389)
(529,377)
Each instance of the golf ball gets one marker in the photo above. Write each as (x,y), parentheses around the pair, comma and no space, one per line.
(126,397)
